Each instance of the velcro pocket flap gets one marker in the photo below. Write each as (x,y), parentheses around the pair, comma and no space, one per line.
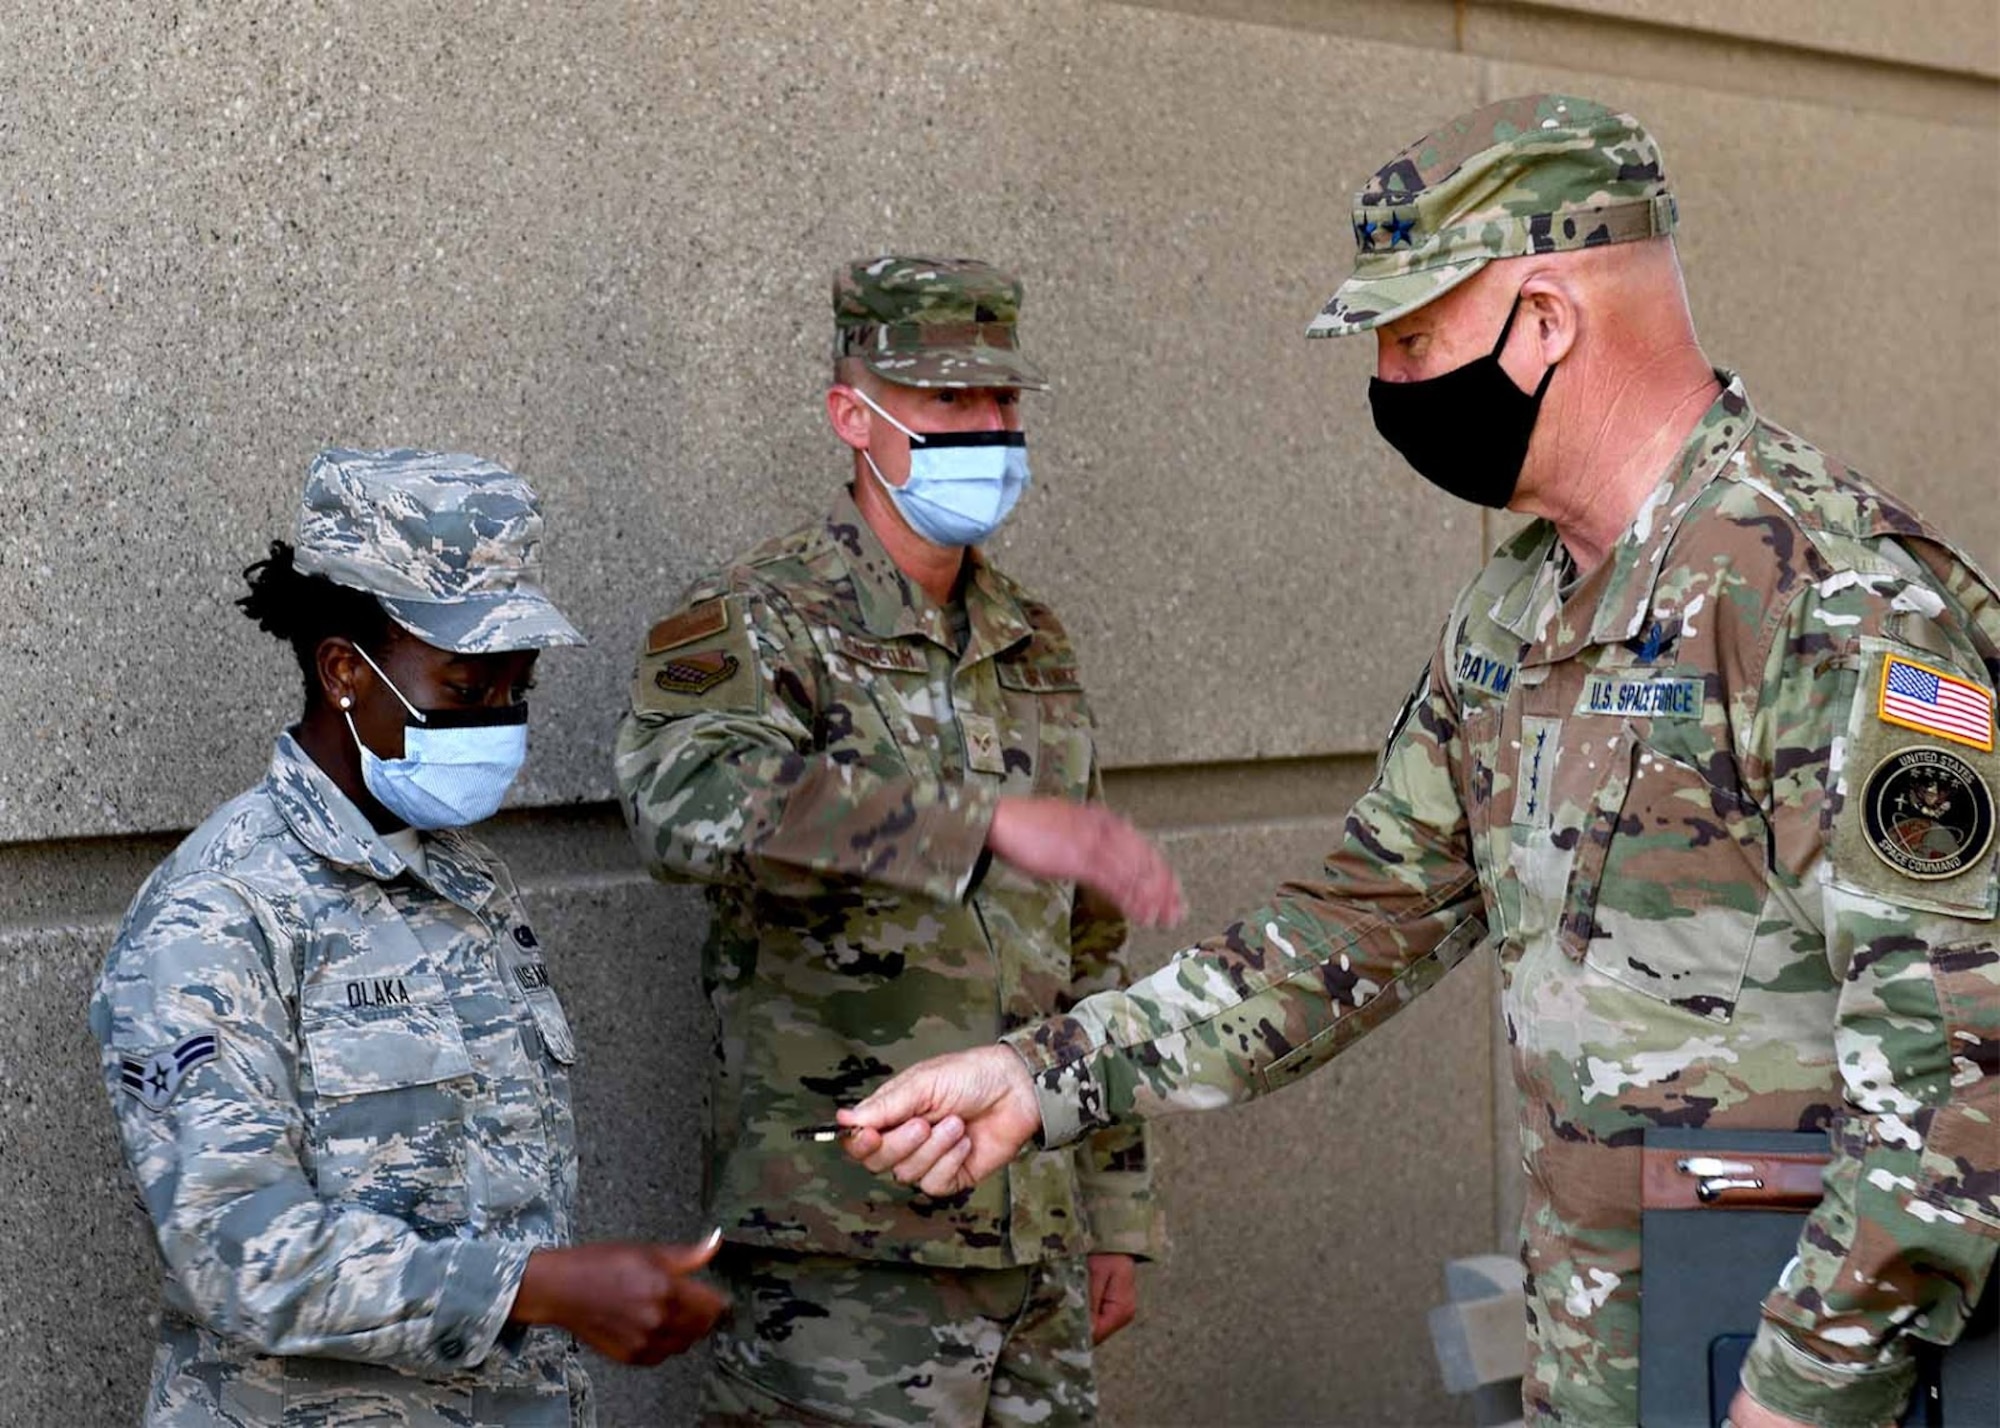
(379,1033)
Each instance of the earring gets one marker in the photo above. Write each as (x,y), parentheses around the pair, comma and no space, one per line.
(345,702)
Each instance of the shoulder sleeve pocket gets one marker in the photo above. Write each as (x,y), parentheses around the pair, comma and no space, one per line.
(1916,819)
(699,658)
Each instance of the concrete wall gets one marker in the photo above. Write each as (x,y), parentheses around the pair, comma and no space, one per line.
(593,241)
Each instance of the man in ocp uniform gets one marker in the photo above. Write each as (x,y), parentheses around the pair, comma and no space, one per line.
(1706,751)
(874,749)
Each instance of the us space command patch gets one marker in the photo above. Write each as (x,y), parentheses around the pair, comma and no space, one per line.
(1927,813)
(1653,697)
(155,1080)
(1915,696)
(697,673)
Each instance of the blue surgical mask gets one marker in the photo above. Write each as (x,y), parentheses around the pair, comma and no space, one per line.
(457,765)
(962,484)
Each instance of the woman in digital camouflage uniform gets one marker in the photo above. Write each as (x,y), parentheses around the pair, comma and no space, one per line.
(338,1063)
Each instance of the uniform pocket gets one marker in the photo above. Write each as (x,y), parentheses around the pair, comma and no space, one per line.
(1669,883)
(381,1033)
(387,1125)
(1046,730)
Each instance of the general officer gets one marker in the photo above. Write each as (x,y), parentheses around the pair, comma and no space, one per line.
(338,1062)
(873,748)
(1706,751)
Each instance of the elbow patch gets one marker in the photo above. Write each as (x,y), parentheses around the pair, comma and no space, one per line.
(699,658)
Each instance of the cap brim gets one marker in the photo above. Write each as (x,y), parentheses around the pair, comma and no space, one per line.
(520,619)
(1363,304)
(956,367)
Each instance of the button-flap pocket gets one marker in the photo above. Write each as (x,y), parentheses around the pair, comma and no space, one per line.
(368,1034)
(1675,883)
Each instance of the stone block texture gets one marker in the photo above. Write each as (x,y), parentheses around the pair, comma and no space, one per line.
(595,241)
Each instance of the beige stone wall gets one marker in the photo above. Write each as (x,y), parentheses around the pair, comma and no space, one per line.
(593,241)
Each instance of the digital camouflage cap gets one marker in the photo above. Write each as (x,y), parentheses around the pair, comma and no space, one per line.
(932,322)
(1540,174)
(450,544)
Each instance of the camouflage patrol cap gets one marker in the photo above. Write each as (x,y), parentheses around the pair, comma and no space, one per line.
(932,322)
(1540,174)
(450,545)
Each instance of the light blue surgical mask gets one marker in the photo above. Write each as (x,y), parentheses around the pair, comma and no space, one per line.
(457,765)
(962,484)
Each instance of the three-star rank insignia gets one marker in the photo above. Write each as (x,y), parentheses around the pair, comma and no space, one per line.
(155,1079)
(1927,813)
(697,673)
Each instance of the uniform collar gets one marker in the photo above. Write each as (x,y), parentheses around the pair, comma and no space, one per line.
(893,606)
(326,821)
(1612,604)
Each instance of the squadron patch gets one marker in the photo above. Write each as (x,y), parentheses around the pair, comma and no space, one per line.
(1927,813)
(697,673)
(155,1079)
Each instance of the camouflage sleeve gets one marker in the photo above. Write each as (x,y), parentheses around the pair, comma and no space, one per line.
(1903,1240)
(721,781)
(200,1059)
(1299,980)
(1113,1165)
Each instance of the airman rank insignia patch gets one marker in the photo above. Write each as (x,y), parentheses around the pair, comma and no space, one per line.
(983,750)
(697,673)
(697,622)
(1927,813)
(154,1080)
(1915,696)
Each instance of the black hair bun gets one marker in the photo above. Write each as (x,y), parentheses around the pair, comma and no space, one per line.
(273,601)
(306,610)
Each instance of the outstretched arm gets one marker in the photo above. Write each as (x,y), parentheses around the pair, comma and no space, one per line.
(722,780)
(1277,995)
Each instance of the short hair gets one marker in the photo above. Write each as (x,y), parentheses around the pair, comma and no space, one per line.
(851,371)
(306,610)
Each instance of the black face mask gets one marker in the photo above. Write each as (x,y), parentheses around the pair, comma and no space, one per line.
(1466,432)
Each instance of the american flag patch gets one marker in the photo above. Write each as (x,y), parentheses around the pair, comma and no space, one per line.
(1916,696)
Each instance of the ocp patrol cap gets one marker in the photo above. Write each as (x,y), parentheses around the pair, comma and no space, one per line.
(932,322)
(450,544)
(1544,173)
